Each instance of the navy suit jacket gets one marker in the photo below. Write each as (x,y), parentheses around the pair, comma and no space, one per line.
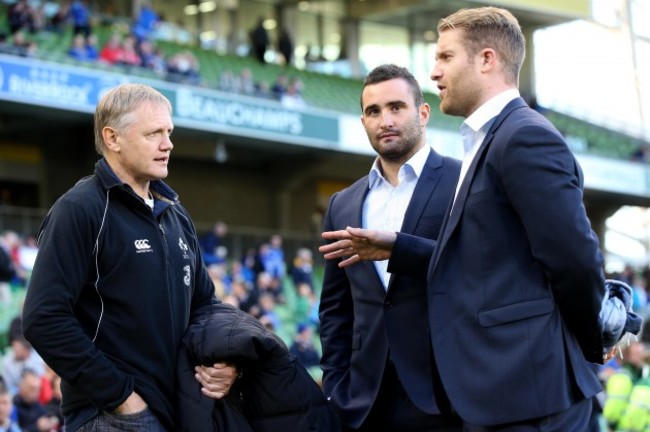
(515,284)
(362,323)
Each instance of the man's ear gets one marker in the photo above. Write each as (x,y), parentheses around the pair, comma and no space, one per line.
(488,59)
(425,113)
(110,139)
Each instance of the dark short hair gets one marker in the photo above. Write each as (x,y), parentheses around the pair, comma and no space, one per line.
(388,72)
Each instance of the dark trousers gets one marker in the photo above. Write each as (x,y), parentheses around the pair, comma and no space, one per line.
(144,421)
(574,419)
(393,411)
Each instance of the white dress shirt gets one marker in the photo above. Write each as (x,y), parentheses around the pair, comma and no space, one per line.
(476,126)
(385,204)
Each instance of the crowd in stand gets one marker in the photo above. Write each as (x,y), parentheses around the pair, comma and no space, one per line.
(136,49)
(286,90)
(262,284)
(30,393)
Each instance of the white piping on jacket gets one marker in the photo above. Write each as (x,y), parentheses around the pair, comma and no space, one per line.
(96,251)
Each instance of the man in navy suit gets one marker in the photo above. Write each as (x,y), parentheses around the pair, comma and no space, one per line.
(515,284)
(377,367)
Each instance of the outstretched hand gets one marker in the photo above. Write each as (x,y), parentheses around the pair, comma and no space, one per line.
(358,244)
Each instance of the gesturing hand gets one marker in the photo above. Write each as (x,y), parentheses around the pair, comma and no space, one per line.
(358,244)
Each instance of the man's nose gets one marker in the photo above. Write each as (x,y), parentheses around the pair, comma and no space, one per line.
(435,73)
(387,119)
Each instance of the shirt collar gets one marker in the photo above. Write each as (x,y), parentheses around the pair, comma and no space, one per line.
(415,164)
(489,110)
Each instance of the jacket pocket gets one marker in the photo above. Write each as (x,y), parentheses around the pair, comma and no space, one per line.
(515,311)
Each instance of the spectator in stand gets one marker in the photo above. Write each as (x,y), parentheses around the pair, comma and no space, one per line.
(7,270)
(16,326)
(279,87)
(268,312)
(11,242)
(53,406)
(246,297)
(38,18)
(252,264)
(21,356)
(79,12)
(112,51)
(220,279)
(303,347)
(305,303)
(152,57)
(292,98)
(7,423)
(621,381)
(246,83)
(130,56)
(263,90)
(227,81)
(32,416)
(303,268)
(627,275)
(260,40)
(22,46)
(273,258)
(285,46)
(91,47)
(146,22)
(266,284)
(121,51)
(238,271)
(231,300)
(183,67)
(58,18)
(78,49)
(27,253)
(19,16)
(46,393)
(640,154)
(211,243)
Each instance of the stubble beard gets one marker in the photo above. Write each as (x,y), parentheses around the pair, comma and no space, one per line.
(402,148)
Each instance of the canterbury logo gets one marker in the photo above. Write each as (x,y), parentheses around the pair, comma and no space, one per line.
(142,245)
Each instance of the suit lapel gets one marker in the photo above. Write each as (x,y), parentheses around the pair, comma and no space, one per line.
(457,206)
(422,193)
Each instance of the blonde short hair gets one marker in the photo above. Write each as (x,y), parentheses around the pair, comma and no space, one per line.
(115,107)
(490,27)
